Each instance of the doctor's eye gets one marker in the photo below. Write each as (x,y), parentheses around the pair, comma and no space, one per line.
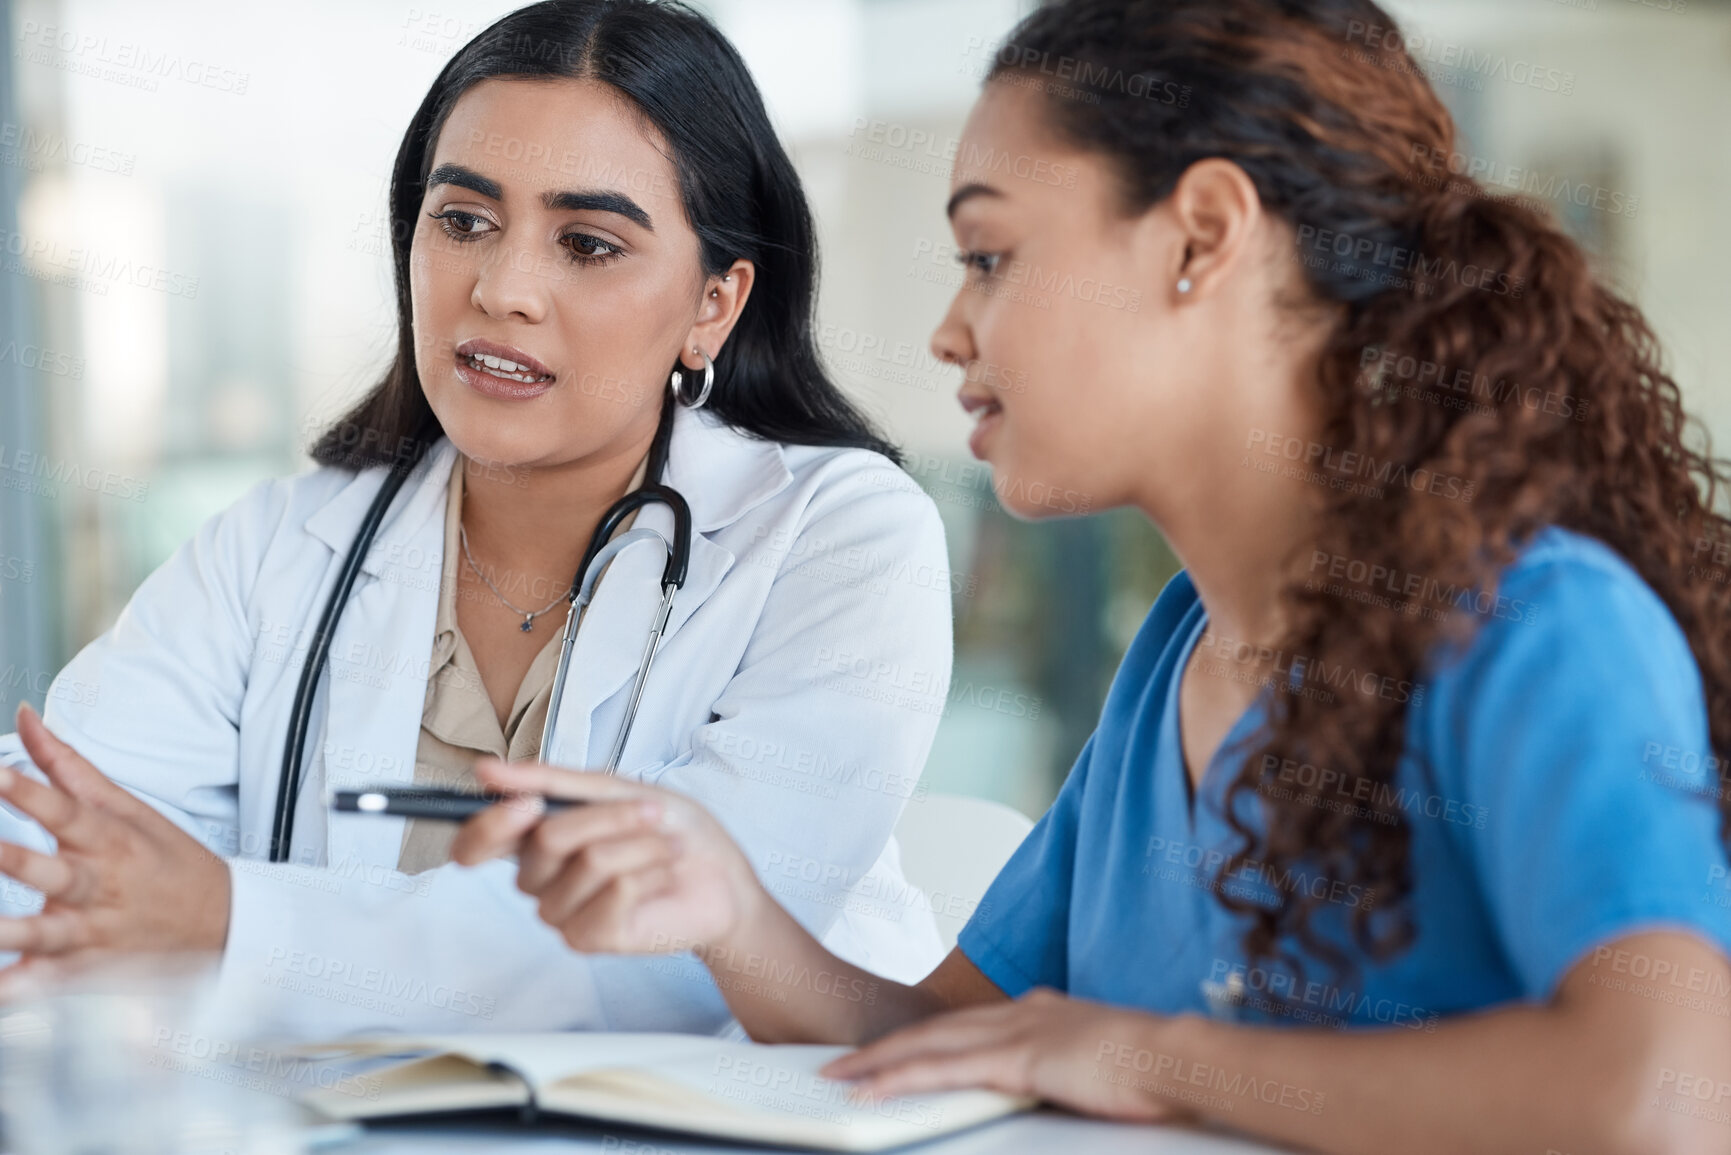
(588,250)
(985,264)
(461,226)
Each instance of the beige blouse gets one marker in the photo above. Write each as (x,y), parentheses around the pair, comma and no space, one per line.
(458,723)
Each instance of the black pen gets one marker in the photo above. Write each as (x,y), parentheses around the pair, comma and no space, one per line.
(426,802)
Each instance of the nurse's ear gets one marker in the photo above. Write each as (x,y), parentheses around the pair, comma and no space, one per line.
(1219,217)
(723,301)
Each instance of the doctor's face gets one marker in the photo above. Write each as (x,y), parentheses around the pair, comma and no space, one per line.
(553,276)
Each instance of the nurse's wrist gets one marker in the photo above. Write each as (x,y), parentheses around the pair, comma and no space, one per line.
(1184,1047)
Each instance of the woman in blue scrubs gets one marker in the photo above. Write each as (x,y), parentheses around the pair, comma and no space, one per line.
(1403,826)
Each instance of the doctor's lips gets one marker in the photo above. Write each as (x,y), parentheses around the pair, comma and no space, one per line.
(978,400)
(501,370)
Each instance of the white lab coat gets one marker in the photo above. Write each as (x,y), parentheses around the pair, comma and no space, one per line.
(797,691)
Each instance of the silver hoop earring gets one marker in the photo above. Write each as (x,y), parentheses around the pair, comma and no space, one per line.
(1184,284)
(677,381)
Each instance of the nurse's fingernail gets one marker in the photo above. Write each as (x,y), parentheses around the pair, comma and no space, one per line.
(650,811)
(6,777)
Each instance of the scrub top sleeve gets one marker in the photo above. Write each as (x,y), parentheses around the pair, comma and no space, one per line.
(1557,724)
(1019,935)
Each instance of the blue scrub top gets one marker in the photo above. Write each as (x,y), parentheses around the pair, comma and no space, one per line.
(1569,803)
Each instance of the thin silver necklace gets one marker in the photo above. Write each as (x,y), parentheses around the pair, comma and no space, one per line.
(528,618)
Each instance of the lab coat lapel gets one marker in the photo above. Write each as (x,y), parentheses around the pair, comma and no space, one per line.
(615,632)
(377,673)
(722,474)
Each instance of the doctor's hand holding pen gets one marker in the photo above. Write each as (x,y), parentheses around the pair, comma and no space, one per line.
(122,878)
(642,870)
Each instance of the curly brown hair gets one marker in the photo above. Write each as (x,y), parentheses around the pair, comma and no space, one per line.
(1437,288)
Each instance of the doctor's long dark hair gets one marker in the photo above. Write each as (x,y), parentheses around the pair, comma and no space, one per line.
(1322,107)
(740,193)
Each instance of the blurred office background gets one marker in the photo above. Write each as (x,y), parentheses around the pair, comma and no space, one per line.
(194,275)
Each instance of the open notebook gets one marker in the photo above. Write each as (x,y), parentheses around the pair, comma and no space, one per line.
(690,1083)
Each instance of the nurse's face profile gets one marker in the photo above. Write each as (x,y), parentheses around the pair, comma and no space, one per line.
(1094,379)
(554,278)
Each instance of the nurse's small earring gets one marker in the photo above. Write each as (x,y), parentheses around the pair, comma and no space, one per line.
(675,383)
(716,293)
(1184,285)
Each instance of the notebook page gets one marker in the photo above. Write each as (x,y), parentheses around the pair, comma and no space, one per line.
(768,1094)
(542,1058)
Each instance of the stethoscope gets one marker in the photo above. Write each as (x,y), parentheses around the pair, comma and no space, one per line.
(602,548)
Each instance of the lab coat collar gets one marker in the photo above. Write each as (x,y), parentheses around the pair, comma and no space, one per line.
(721,472)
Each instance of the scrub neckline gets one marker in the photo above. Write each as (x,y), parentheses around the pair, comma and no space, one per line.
(1175,726)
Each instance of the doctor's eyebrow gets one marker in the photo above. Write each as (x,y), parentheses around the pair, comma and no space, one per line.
(597,200)
(465,178)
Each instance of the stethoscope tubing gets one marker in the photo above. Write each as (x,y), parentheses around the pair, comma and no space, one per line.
(300,715)
(601,549)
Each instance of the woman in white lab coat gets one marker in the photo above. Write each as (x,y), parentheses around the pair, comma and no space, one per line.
(589,201)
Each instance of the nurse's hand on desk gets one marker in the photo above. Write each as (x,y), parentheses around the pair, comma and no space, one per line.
(638,870)
(1086,1056)
(123,877)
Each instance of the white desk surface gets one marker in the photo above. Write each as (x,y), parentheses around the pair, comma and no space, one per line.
(1040,1133)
